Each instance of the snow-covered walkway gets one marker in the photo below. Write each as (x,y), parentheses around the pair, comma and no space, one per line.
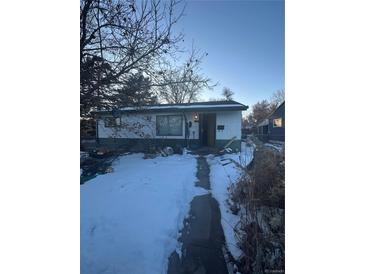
(130,218)
(223,173)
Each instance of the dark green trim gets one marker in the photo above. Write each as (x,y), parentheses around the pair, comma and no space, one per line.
(144,144)
(236,144)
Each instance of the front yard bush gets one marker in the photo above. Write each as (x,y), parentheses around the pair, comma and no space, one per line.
(260,198)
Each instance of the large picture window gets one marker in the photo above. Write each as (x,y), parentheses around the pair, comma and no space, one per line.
(169,125)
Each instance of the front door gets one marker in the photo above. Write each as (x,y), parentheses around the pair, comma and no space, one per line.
(207,122)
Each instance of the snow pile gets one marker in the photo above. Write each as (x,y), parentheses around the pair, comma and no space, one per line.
(224,172)
(130,219)
(246,155)
(276,146)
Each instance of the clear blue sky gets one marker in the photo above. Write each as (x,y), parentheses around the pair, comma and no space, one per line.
(245,45)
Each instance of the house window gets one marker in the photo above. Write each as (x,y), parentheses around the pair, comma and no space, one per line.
(111,122)
(169,125)
(277,122)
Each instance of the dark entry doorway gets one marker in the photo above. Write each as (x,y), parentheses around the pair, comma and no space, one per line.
(207,123)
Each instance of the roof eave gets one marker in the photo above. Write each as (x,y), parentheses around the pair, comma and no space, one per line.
(172,109)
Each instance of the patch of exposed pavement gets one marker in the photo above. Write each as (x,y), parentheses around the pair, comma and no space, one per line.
(202,236)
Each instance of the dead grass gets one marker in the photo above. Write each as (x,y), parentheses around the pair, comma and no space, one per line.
(260,196)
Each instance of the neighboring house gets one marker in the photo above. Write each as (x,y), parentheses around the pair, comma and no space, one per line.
(192,125)
(273,127)
(263,127)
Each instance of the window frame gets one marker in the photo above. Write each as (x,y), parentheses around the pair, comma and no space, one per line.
(168,123)
(281,122)
(117,122)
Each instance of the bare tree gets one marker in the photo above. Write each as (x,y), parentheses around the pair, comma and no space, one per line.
(183,84)
(119,38)
(264,108)
(260,111)
(227,93)
(278,97)
(215,99)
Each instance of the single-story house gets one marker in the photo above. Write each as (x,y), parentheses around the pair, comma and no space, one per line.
(193,125)
(273,127)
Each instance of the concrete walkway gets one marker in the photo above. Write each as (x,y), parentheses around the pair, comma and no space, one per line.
(202,235)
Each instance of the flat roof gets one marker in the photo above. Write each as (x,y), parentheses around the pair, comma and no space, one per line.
(197,106)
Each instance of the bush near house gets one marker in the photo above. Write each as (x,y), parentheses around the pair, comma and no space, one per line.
(260,197)
(87,128)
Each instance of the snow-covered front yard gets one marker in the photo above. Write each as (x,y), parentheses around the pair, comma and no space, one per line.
(130,218)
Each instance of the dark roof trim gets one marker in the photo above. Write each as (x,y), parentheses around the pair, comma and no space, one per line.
(192,107)
(279,106)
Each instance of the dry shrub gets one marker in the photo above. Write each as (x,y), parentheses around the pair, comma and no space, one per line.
(268,177)
(238,191)
(260,194)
